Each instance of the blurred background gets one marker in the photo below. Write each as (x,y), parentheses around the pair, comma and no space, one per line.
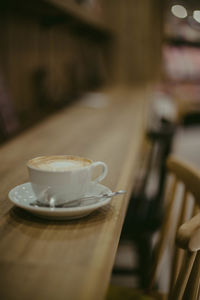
(52,52)
(55,52)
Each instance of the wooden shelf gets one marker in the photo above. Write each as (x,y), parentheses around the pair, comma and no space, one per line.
(78,12)
(181,42)
(181,81)
(53,12)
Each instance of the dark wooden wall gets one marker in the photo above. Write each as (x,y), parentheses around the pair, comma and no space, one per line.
(50,54)
(48,58)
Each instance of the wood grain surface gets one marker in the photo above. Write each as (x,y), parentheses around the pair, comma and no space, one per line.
(41,259)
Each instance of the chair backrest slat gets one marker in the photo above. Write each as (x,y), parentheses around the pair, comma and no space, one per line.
(187,174)
(195,209)
(193,285)
(189,238)
(163,234)
(178,253)
(185,271)
(182,280)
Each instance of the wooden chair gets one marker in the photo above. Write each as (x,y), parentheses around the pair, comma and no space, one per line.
(185,234)
(144,215)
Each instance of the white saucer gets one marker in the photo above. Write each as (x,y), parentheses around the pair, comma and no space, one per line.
(23,194)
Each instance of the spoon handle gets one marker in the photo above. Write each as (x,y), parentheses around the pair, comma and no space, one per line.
(76,202)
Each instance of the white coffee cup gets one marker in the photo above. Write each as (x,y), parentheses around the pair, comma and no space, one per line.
(61,178)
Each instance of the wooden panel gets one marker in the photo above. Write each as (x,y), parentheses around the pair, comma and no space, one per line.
(46,59)
(138,29)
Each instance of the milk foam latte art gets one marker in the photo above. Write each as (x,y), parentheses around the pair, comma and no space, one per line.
(61,178)
(59,163)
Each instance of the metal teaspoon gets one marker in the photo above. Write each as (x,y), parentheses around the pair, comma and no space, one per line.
(76,202)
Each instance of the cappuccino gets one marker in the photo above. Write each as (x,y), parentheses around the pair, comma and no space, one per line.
(59,178)
(59,163)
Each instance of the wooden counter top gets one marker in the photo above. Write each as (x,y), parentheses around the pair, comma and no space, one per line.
(41,259)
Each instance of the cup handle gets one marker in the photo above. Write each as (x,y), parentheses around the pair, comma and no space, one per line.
(104,171)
